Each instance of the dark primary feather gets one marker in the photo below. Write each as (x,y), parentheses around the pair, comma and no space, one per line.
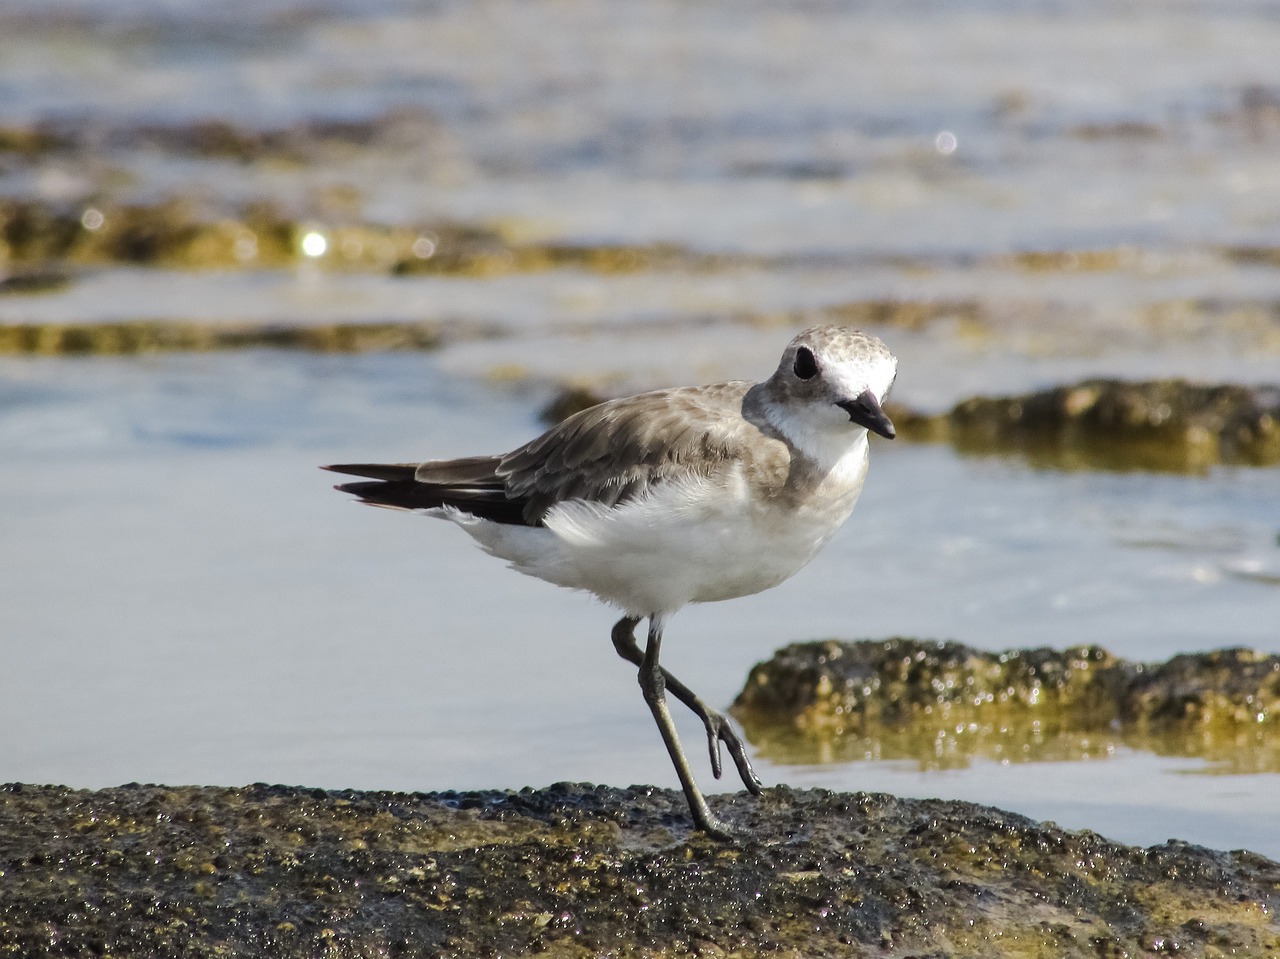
(407,494)
(382,471)
(470,484)
(608,454)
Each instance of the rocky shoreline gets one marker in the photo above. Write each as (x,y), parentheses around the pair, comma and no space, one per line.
(583,870)
(579,870)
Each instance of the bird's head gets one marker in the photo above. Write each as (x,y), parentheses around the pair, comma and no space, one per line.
(831,377)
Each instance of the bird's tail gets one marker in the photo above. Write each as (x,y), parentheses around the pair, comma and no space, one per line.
(470,485)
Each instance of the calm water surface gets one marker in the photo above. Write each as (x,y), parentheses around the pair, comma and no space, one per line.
(184,599)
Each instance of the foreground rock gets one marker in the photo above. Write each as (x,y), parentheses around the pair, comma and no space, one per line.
(941,703)
(584,871)
(1113,424)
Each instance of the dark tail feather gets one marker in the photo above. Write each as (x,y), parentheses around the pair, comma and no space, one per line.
(408,494)
(382,471)
(401,495)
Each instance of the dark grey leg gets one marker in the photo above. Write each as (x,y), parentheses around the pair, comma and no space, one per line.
(718,727)
(653,686)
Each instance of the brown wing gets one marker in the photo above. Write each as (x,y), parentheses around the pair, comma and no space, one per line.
(615,451)
(608,454)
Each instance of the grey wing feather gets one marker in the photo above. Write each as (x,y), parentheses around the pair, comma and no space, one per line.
(468,471)
(608,454)
(617,450)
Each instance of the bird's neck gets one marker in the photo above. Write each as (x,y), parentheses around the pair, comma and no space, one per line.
(823,447)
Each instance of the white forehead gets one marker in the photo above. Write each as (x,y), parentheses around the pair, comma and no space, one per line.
(875,373)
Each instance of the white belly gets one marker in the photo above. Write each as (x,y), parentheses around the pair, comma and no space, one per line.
(686,542)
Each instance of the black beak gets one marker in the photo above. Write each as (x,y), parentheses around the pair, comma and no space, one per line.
(866,411)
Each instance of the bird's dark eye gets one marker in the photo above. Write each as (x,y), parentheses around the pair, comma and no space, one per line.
(806,366)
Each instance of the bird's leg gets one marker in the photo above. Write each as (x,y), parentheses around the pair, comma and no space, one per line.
(719,730)
(654,688)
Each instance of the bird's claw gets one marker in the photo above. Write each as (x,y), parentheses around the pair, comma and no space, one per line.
(719,731)
(713,745)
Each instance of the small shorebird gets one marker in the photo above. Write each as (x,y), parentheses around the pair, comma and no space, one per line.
(672,497)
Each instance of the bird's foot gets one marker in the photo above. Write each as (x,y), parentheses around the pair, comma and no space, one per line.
(719,731)
(704,820)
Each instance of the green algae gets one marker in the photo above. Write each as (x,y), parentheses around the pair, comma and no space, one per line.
(944,704)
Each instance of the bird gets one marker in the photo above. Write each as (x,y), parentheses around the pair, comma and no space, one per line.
(676,496)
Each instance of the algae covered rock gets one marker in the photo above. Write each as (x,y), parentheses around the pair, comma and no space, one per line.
(1158,424)
(181,232)
(158,336)
(943,703)
(577,870)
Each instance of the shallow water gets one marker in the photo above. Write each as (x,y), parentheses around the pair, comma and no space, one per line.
(189,601)
(184,599)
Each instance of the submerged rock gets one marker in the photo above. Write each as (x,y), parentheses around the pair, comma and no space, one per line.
(903,314)
(569,400)
(181,233)
(142,336)
(305,142)
(577,870)
(943,703)
(38,281)
(1159,424)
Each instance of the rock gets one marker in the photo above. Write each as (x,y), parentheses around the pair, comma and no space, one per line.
(942,703)
(144,336)
(40,281)
(302,143)
(1112,424)
(569,400)
(576,870)
(899,313)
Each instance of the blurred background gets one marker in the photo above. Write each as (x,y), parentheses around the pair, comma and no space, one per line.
(241,240)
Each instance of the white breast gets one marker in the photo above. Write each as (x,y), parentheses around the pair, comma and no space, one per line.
(690,541)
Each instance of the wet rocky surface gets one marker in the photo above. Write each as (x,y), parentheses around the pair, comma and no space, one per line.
(160,336)
(1169,424)
(189,233)
(579,870)
(191,229)
(941,704)
(302,142)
